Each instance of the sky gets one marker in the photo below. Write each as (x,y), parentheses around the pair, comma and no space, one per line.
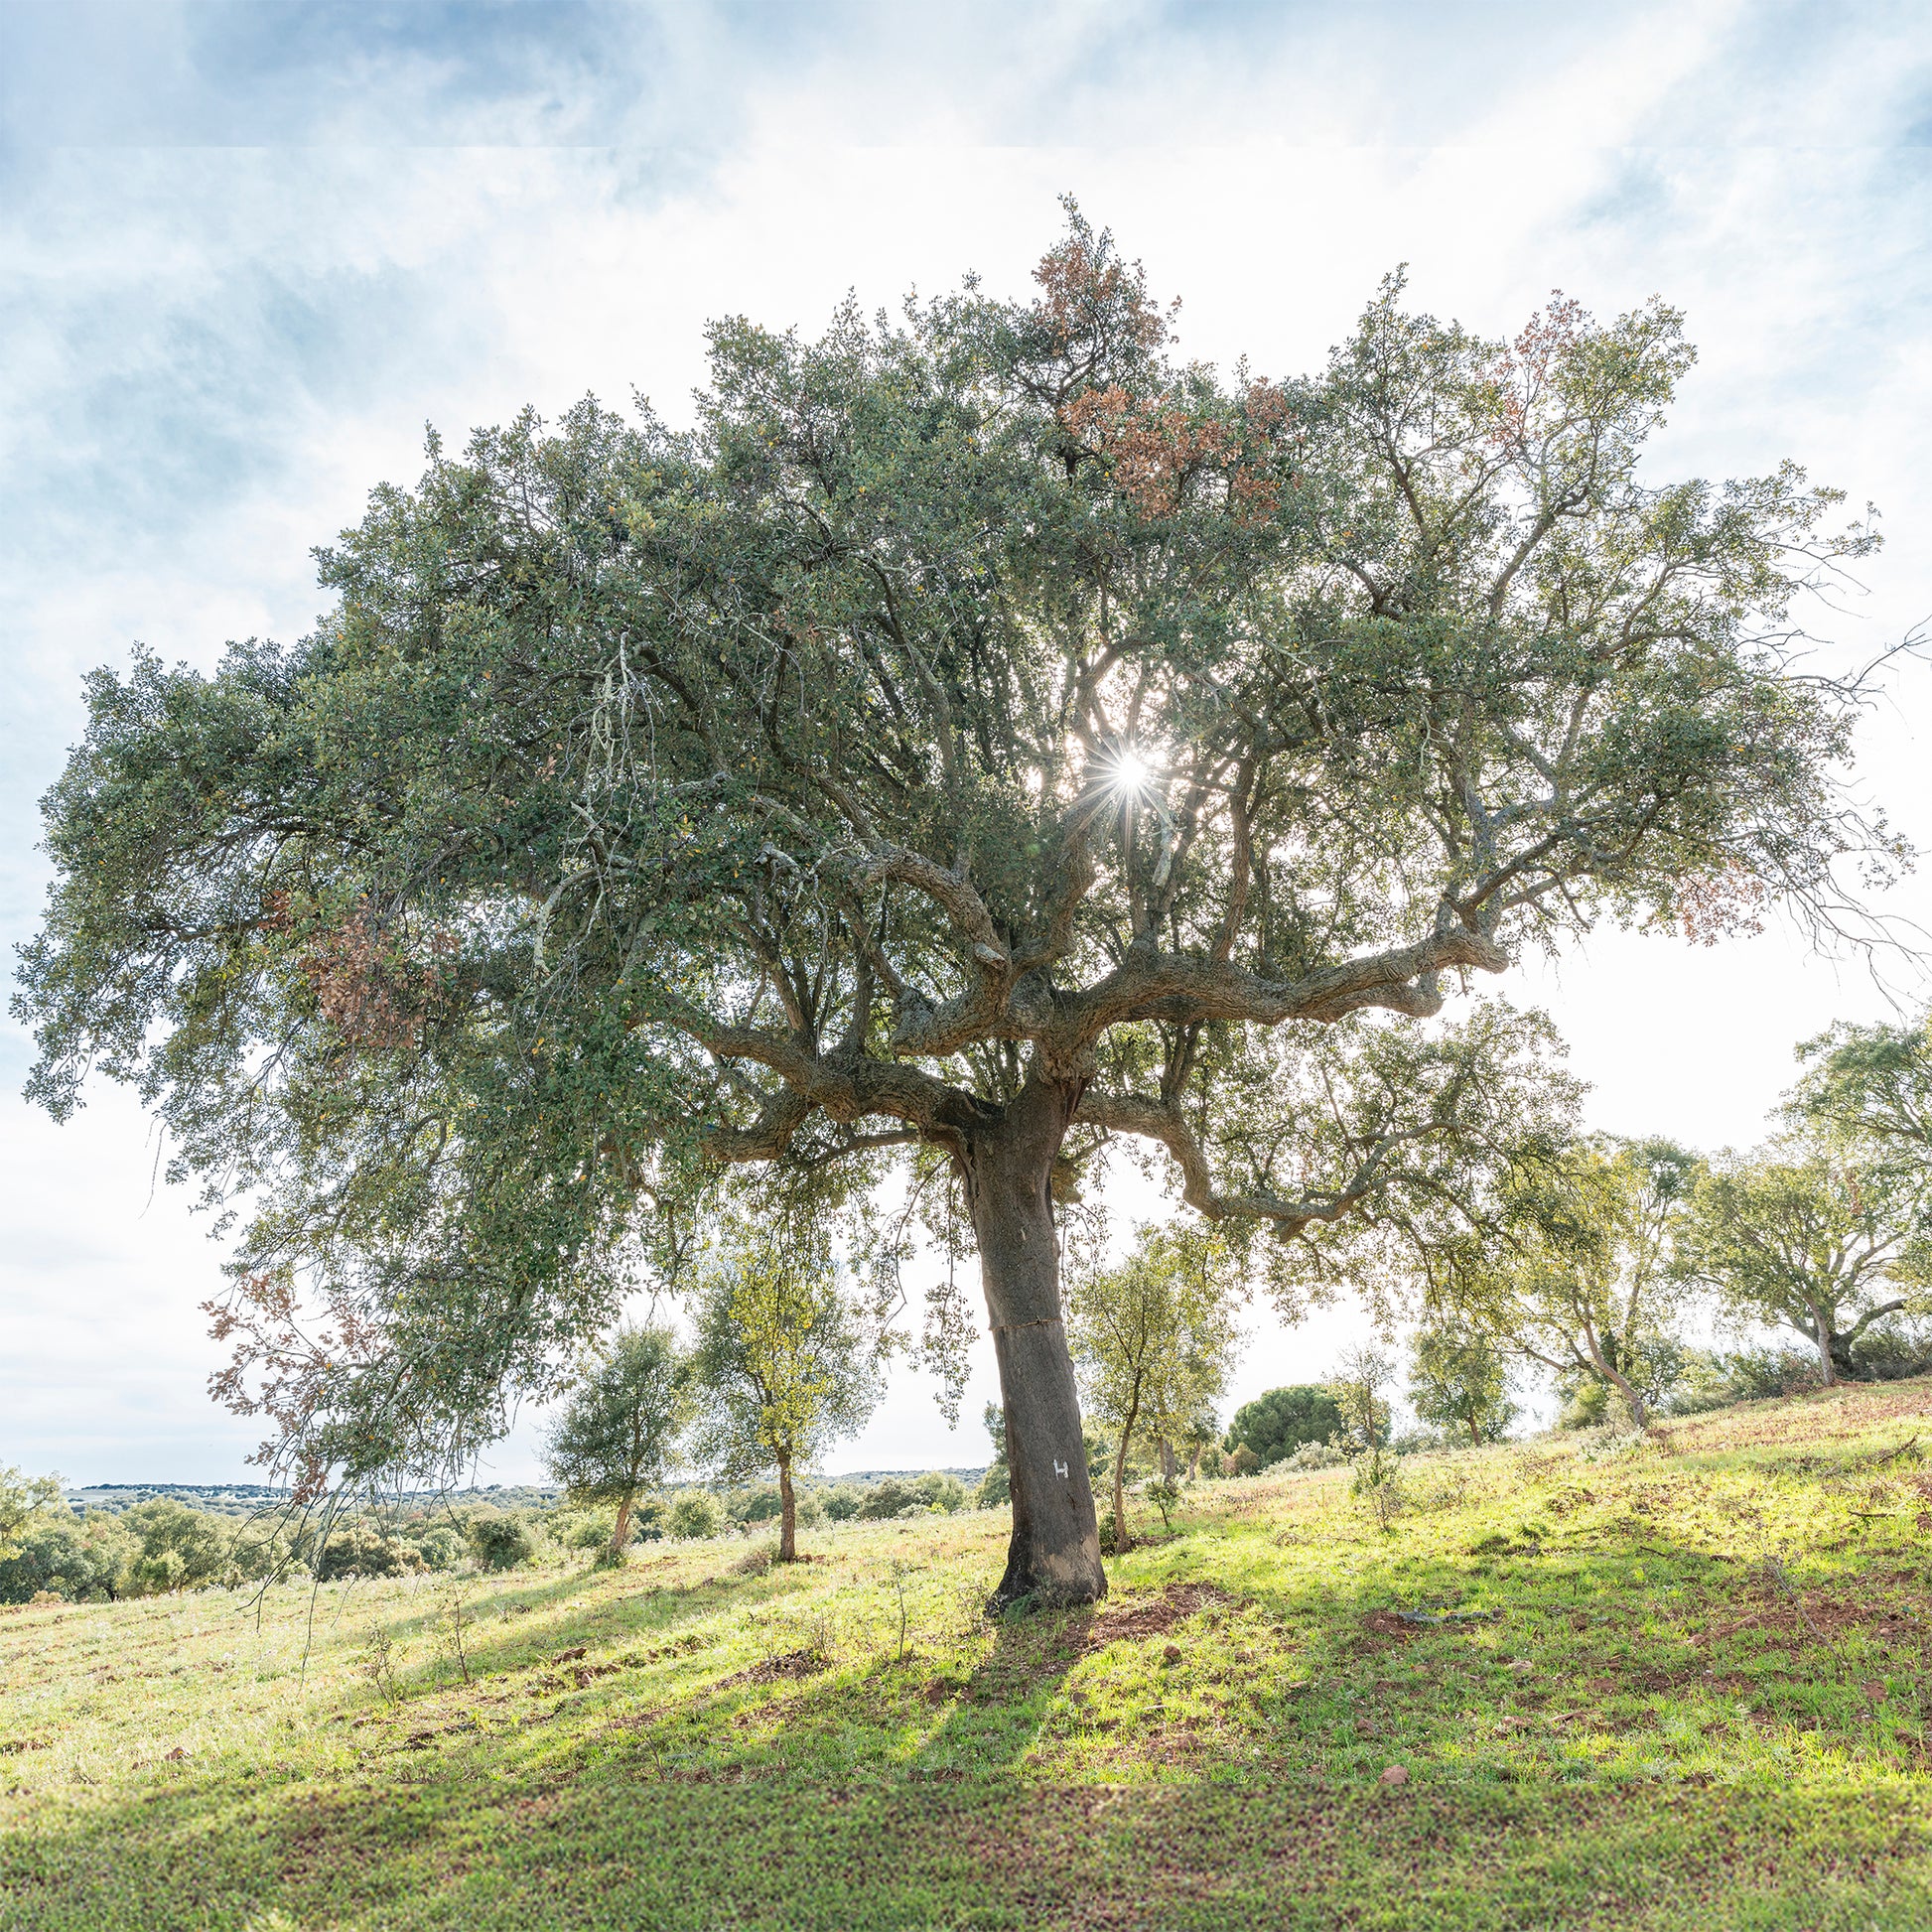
(250,248)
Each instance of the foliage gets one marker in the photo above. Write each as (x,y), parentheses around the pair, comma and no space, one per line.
(782,1364)
(1279,1421)
(21,1500)
(695,1514)
(1581,1277)
(178,1547)
(937,1492)
(1153,1339)
(619,1430)
(362,1549)
(980,721)
(1459,1379)
(1314,1455)
(1802,1237)
(498,1539)
(80,1560)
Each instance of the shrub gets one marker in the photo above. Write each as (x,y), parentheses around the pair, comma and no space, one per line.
(843,1501)
(76,1561)
(498,1539)
(888,1496)
(178,1547)
(1243,1462)
(695,1515)
(1314,1455)
(361,1549)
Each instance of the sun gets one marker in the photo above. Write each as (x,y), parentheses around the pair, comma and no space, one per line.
(1131,771)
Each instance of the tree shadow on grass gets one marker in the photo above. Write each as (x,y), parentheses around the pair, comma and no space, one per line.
(901,1795)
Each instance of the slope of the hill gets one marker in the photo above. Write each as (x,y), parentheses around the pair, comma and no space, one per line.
(1680,1683)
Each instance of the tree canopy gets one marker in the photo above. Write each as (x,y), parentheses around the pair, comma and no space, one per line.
(981,731)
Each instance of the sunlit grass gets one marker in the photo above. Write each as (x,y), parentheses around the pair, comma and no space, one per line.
(1676,1683)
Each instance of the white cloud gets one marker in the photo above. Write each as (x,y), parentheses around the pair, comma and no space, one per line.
(260,263)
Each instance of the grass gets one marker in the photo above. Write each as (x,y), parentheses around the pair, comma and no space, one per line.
(1681,1683)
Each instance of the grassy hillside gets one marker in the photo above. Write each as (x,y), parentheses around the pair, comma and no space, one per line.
(1675,1684)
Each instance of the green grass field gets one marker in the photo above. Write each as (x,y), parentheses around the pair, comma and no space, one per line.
(1681,1683)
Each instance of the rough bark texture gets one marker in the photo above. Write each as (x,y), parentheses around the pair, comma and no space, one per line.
(787,1514)
(1055,1553)
(1824,1337)
(1122,1540)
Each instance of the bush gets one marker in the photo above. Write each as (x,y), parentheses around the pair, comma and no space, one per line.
(843,1501)
(178,1547)
(1314,1455)
(995,1489)
(888,1496)
(1274,1424)
(763,1503)
(498,1539)
(361,1549)
(76,1561)
(695,1515)
(437,1542)
(1243,1462)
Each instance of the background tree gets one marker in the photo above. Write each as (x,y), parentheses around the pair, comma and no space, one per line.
(782,1364)
(619,1431)
(1581,1277)
(1278,1423)
(1154,1338)
(984,732)
(24,1503)
(1458,1378)
(1797,1238)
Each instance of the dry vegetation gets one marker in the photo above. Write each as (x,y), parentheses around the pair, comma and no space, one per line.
(1675,1683)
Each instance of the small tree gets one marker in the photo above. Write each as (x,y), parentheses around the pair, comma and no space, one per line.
(1802,1240)
(784,1365)
(1459,1379)
(1278,1423)
(1356,1388)
(1153,1339)
(618,1434)
(1580,1278)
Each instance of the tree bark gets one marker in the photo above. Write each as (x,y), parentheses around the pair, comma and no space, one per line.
(621,1530)
(1008,1164)
(1169,1469)
(1823,1331)
(787,1514)
(1122,1540)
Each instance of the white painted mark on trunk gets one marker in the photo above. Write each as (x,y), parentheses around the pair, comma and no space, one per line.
(1059,1469)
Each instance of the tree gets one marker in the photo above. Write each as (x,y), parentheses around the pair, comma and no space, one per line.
(619,1430)
(1278,1423)
(1459,1379)
(1361,1374)
(1795,1237)
(1154,1338)
(982,733)
(782,1365)
(24,1503)
(1579,1277)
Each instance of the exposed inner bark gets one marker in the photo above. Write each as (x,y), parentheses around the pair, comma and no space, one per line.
(1055,1553)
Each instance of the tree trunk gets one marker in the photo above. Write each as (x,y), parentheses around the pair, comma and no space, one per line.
(1122,1540)
(620,1533)
(1169,1469)
(1055,1552)
(787,1514)
(1822,1329)
(1475,1431)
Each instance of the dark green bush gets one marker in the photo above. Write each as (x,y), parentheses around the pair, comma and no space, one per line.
(361,1549)
(498,1539)
(82,1562)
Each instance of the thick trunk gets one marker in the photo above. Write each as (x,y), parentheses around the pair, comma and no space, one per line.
(1822,1329)
(1169,1469)
(1475,1433)
(787,1514)
(1055,1552)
